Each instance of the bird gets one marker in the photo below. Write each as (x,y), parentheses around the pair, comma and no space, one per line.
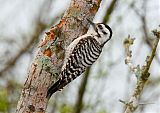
(81,54)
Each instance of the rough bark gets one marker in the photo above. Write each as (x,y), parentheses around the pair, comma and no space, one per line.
(47,64)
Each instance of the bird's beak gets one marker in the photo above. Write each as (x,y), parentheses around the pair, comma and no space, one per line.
(93,24)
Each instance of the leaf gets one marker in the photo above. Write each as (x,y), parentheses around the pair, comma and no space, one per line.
(3,101)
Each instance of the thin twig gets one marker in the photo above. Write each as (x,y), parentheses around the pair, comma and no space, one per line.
(142,76)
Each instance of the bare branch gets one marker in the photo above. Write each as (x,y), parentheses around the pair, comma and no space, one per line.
(142,77)
(143,20)
(128,60)
(109,11)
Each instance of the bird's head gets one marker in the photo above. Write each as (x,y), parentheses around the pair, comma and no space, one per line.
(102,31)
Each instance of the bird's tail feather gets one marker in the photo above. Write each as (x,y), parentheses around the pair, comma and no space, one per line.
(53,89)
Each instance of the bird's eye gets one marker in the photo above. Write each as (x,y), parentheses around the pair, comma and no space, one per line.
(100,26)
(104,32)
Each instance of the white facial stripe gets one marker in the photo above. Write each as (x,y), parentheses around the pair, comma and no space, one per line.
(102,29)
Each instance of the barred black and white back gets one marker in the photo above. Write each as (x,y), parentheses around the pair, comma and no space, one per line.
(80,54)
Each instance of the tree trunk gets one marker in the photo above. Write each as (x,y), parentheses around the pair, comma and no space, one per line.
(47,64)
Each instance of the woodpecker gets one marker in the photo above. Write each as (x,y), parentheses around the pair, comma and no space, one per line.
(82,53)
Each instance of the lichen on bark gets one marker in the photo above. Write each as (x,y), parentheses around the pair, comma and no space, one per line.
(47,64)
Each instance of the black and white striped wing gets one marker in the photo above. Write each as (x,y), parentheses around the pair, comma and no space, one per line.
(84,54)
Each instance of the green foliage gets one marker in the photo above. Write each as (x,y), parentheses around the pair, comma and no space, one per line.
(66,108)
(3,101)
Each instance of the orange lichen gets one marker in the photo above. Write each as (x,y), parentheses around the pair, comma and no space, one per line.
(52,30)
(47,33)
(52,35)
(61,23)
(43,42)
(93,10)
(48,52)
